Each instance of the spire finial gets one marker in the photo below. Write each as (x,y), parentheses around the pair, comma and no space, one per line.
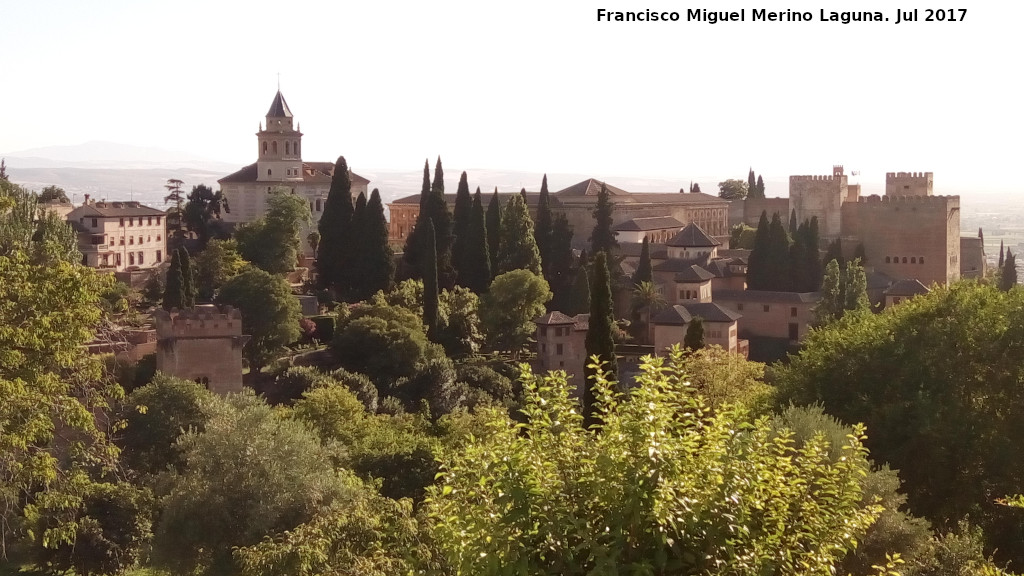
(278,81)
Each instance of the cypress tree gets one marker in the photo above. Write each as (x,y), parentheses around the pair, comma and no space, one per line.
(778,256)
(760,187)
(188,279)
(694,188)
(758,260)
(599,341)
(542,232)
(430,285)
(798,261)
(559,269)
(602,239)
(643,269)
(793,226)
(1001,258)
(518,249)
(335,229)
(813,255)
(494,228)
(580,301)
(1008,278)
(375,259)
(835,252)
(425,188)
(752,185)
(694,338)
(173,288)
(475,267)
(460,222)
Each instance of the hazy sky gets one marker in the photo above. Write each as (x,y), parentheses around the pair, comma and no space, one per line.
(528,85)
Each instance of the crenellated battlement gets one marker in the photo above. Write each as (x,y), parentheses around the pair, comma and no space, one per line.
(200,322)
(815,178)
(893,175)
(875,199)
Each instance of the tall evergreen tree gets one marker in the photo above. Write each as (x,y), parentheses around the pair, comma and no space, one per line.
(835,252)
(375,261)
(778,256)
(173,292)
(760,187)
(460,222)
(757,277)
(856,286)
(559,268)
(494,228)
(475,266)
(694,338)
(812,243)
(335,227)
(435,208)
(1001,257)
(644,272)
(188,279)
(579,303)
(425,188)
(599,341)
(1008,278)
(543,231)
(602,239)
(694,188)
(518,249)
(752,185)
(430,285)
(800,275)
(793,224)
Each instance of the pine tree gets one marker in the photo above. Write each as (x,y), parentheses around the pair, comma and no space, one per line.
(475,267)
(1008,278)
(694,338)
(757,277)
(430,285)
(602,239)
(760,187)
(188,279)
(643,268)
(580,301)
(460,222)
(335,227)
(494,228)
(560,266)
(173,296)
(375,261)
(543,230)
(1001,257)
(518,249)
(599,340)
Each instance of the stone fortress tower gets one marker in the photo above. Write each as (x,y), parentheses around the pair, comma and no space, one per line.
(203,344)
(820,196)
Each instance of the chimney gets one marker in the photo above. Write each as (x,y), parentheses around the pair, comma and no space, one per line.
(86,201)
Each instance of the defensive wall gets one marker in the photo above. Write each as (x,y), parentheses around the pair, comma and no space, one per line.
(821,197)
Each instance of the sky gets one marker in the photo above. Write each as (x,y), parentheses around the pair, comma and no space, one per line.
(528,85)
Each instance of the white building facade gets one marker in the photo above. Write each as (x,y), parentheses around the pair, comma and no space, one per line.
(118,236)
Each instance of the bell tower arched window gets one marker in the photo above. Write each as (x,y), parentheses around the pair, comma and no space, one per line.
(273,146)
(287,147)
(264,147)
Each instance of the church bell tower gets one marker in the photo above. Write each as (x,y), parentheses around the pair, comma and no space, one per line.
(280,145)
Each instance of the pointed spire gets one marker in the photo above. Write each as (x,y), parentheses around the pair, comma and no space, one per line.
(279,108)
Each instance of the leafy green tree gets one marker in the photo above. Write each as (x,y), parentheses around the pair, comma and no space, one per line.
(732,190)
(111,525)
(1008,278)
(429,267)
(250,474)
(643,268)
(558,269)
(335,248)
(270,314)
(936,380)
(855,286)
(544,228)
(842,291)
(694,338)
(188,279)
(580,300)
(54,194)
(375,261)
(518,249)
(600,342)
(647,299)
(202,212)
(677,490)
(460,222)
(215,265)
(724,377)
(494,218)
(43,236)
(602,239)
(272,242)
(174,288)
(155,416)
(741,236)
(384,342)
(509,307)
(475,266)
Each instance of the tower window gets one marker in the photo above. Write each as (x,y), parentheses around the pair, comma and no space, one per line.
(888,260)
(287,147)
(904,259)
(273,146)
(269,172)
(264,147)
(913,260)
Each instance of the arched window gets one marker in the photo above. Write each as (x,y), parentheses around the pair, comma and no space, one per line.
(287,147)
(295,148)
(920,260)
(904,259)
(273,146)
(895,259)
(264,147)
(913,260)
(887,259)
(269,172)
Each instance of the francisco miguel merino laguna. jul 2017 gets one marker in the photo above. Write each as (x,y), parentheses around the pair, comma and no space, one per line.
(898,16)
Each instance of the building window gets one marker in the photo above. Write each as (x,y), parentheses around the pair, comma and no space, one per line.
(149,221)
(288,150)
(792,311)
(149,238)
(887,260)
(794,331)
(273,147)
(122,240)
(767,308)
(896,300)
(543,331)
(739,306)
(559,349)
(920,260)
(158,223)
(264,147)
(319,205)
(111,240)
(122,222)
(131,258)
(157,237)
(913,260)
(904,259)
(141,258)
(269,172)
(159,256)
(94,223)
(131,239)
(118,259)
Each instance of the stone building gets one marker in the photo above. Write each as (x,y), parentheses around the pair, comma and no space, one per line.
(279,165)
(116,236)
(767,314)
(561,344)
(203,344)
(720,326)
(577,202)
